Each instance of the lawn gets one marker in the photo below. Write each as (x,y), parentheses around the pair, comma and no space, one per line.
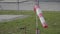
(28,26)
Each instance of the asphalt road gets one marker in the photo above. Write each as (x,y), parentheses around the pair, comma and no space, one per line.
(50,6)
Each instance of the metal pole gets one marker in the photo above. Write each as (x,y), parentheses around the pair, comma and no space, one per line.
(36,25)
(25,29)
(37,2)
(37,30)
(18,4)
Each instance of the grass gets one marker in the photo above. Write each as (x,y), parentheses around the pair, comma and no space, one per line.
(15,12)
(14,27)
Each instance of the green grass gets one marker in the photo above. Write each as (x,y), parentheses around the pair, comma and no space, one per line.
(15,12)
(13,27)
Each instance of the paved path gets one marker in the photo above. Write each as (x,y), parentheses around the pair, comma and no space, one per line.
(11,17)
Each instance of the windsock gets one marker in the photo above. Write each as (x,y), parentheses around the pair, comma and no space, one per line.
(40,15)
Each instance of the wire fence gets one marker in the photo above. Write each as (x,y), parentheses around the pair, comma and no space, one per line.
(45,6)
(23,29)
(16,5)
(52,18)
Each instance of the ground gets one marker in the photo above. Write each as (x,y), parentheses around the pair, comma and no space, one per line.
(28,25)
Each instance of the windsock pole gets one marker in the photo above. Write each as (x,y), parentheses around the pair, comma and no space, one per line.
(37,30)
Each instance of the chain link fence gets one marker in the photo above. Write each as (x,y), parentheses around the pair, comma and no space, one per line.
(23,5)
(52,18)
(28,5)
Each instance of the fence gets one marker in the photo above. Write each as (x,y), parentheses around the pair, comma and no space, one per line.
(28,26)
(49,6)
(14,5)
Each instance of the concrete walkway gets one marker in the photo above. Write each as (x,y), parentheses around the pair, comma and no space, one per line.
(11,17)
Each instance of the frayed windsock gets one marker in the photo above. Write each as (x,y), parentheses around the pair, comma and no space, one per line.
(40,15)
